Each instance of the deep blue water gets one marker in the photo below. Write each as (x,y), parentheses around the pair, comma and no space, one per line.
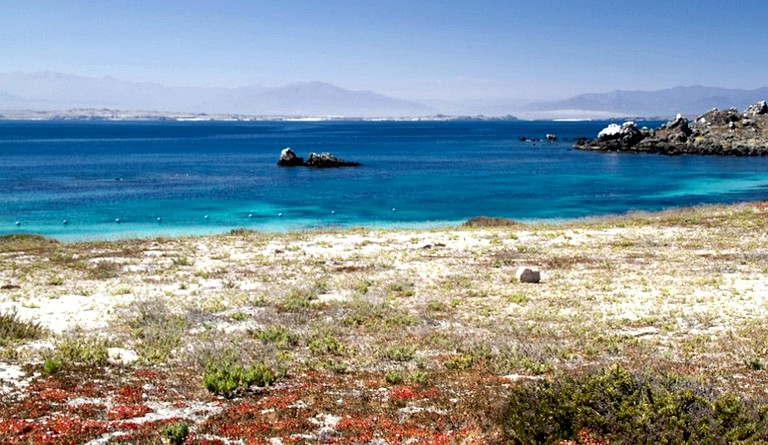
(432,173)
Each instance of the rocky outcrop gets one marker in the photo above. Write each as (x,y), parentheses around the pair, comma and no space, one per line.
(322,160)
(715,132)
(289,159)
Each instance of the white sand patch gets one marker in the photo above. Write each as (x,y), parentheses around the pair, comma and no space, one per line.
(13,378)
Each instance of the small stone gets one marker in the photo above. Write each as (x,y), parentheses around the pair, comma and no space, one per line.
(527,275)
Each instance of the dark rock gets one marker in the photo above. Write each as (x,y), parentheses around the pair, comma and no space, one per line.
(713,133)
(325,160)
(289,159)
(757,109)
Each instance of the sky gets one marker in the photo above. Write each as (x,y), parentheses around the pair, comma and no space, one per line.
(428,50)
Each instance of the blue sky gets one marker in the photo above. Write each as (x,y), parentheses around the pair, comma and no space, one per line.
(425,50)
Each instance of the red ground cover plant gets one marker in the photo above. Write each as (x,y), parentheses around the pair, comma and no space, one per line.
(122,412)
(77,406)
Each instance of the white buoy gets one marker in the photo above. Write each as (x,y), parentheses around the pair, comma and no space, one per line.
(333,212)
(65,222)
(18,223)
(394,209)
(280,214)
(250,215)
(206,216)
(159,219)
(117,220)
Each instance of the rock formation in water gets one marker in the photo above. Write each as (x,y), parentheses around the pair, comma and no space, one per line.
(317,160)
(715,132)
(289,159)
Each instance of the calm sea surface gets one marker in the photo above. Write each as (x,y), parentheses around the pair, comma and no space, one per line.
(414,174)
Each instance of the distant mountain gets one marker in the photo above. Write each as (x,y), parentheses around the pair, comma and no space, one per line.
(690,100)
(57,91)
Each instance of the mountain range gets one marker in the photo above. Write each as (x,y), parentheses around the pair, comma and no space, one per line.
(686,100)
(56,91)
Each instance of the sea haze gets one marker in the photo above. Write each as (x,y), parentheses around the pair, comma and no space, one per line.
(414,174)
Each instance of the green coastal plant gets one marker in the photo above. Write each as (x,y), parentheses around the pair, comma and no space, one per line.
(52,365)
(76,347)
(227,379)
(623,407)
(175,433)
(12,327)
(278,336)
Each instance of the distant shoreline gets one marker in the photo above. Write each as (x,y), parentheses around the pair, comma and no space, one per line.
(93,114)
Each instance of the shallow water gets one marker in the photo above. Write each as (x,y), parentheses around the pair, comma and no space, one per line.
(431,173)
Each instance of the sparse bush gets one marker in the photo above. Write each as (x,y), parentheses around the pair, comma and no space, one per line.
(487,221)
(399,353)
(322,344)
(460,361)
(239,316)
(621,407)
(158,330)
(298,300)
(104,270)
(419,377)
(77,348)
(23,242)
(13,328)
(277,335)
(395,377)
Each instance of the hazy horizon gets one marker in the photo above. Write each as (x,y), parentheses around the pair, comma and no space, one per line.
(431,51)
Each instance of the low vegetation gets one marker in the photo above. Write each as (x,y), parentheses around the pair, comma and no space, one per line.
(618,406)
(644,328)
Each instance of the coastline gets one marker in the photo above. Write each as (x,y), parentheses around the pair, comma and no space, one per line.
(391,322)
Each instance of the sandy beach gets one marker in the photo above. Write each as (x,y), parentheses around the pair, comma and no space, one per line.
(424,331)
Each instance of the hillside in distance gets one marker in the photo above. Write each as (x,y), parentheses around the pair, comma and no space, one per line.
(686,100)
(57,91)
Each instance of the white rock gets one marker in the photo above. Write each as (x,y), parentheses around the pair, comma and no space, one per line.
(527,275)
(610,130)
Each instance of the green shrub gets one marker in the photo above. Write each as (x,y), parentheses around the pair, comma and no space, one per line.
(277,335)
(175,433)
(621,407)
(322,344)
(14,328)
(460,361)
(395,377)
(52,365)
(399,353)
(298,300)
(77,348)
(227,379)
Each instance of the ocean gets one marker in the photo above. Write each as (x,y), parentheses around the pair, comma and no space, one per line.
(86,180)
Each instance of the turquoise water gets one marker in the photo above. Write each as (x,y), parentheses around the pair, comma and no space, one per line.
(92,174)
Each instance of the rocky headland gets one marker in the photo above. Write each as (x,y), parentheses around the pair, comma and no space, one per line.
(716,132)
